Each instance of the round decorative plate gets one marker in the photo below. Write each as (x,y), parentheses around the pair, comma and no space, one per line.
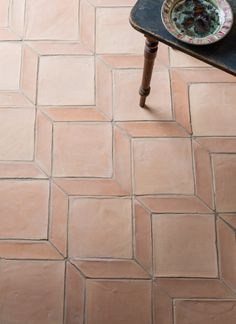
(198,22)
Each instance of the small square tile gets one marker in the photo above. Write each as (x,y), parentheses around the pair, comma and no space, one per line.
(184,245)
(66,80)
(118,302)
(126,96)
(114,34)
(33,292)
(54,19)
(212,107)
(225,181)
(100,228)
(17,134)
(82,150)
(25,203)
(163,165)
(10,64)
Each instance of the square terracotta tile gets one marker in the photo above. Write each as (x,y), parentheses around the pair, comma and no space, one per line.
(114,34)
(54,19)
(225,181)
(24,209)
(66,80)
(184,245)
(126,96)
(10,64)
(118,302)
(100,228)
(82,150)
(32,292)
(205,312)
(17,134)
(163,165)
(212,107)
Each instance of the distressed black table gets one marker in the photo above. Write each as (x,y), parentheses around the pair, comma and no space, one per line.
(146,18)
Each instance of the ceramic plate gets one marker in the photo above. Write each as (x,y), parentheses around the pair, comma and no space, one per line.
(198,22)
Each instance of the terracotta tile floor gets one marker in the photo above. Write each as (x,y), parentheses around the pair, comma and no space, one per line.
(111,214)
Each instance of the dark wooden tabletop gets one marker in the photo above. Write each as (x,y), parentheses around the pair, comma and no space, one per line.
(146,18)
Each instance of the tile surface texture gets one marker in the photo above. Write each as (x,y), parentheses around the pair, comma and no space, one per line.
(111,214)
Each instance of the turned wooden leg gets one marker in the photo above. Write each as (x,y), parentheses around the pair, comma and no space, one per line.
(150,54)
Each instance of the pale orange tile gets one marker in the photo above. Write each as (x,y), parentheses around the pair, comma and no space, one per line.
(20,170)
(14,99)
(24,209)
(87,24)
(28,82)
(4,5)
(56,19)
(180,59)
(58,48)
(8,35)
(111,268)
(230,219)
(174,204)
(126,96)
(17,16)
(118,302)
(43,143)
(225,181)
(191,254)
(59,219)
(17,134)
(100,228)
(10,63)
(66,80)
(205,312)
(32,291)
(218,144)
(212,108)
(163,165)
(74,299)
(114,34)
(83,149)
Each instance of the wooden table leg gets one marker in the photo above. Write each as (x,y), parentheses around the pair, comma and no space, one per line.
(150,53)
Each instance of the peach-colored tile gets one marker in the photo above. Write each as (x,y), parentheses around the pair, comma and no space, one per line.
(218,144)
(91,187)
(153,129)
(14,99)
(17,134)
(212,109)
(227,253)
(28,249)
(10,62)
(118,302)
(8,35)
(112,3)
(163,165)
(24,209)
(179,59)
(126,96)
(4,5)
(17,16)
(75,292)
(100,228)
(174,204)
(87,24)
(20,170)
(83,149)
(56,19)
(43,143)
(114,34)
(32,291)
(66,80)
(191,254)
(58,48)
(29,72)
(59,219)
(230,219)
(225,181)
(205,312)
(203,174)
(143,236)
(111,268)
